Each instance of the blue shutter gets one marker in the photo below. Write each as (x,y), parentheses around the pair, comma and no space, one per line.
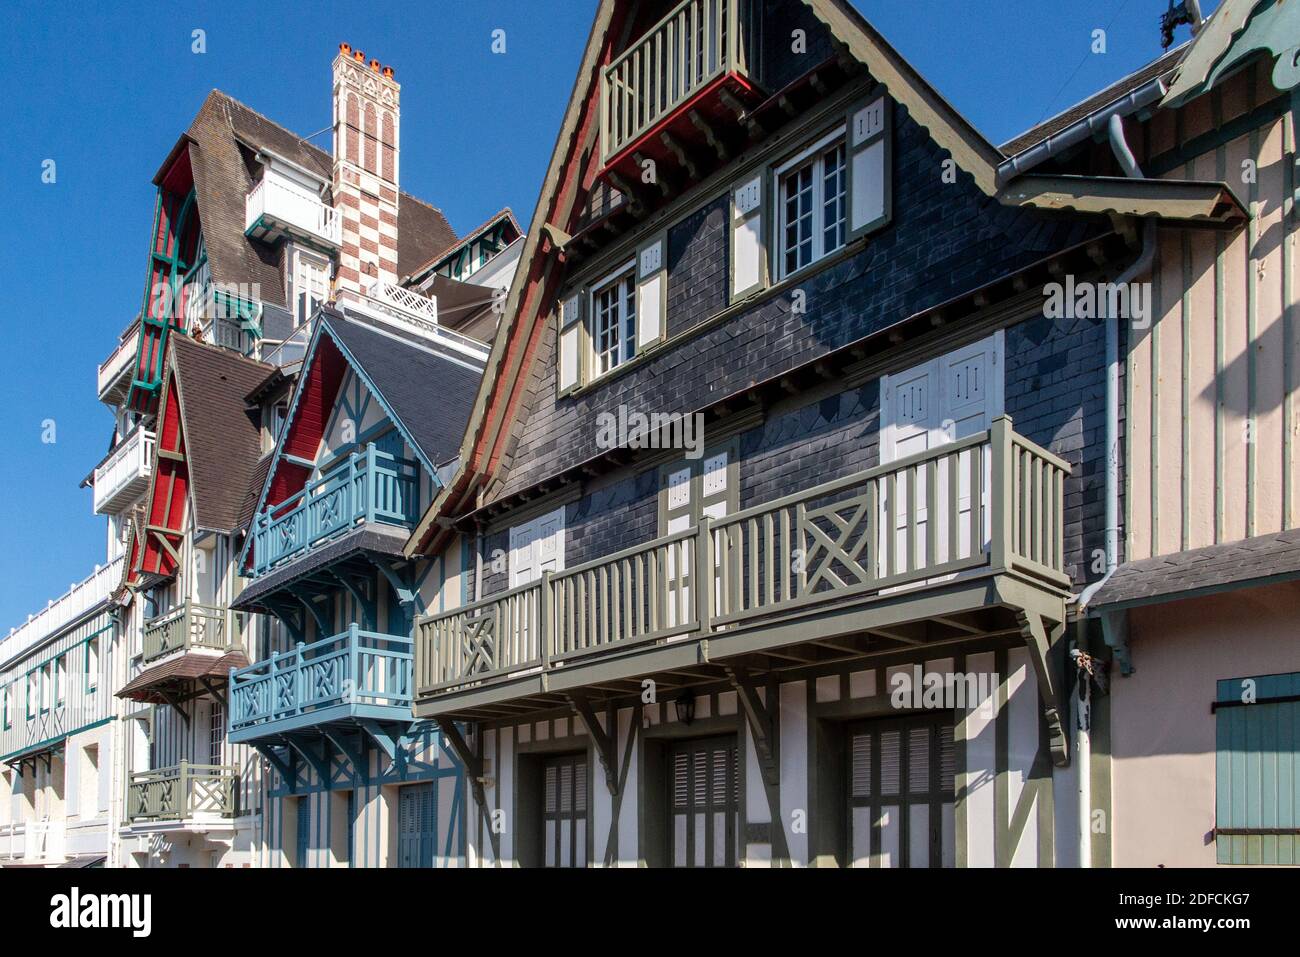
(1257,770)
(304,830)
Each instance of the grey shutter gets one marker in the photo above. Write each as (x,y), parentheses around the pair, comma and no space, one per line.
(870,162)
(750,212)
(651,293)
(568,373)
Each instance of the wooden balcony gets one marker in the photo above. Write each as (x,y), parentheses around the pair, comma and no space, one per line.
(188,627)
(124,475)
(352,677)
(372,486)
(185,792)
(937,547)
(666,93)
(278,207)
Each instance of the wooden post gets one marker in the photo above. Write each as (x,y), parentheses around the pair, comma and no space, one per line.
(1000,495)
(354,662)
(546,614)
(703,574)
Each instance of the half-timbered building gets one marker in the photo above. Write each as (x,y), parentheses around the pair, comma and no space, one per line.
(783,481)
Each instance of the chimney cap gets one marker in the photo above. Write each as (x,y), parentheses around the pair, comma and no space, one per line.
(374,66)
(359,56)
(345,48)
(388,72)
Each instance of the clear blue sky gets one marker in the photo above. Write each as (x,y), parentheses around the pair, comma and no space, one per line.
(105,89)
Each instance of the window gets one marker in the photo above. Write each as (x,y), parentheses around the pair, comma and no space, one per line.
(89,782)
(33,692)
(92,664)
(813,205)
(564,811)
(310,286)
(60,680)
(8,703)
(216,732)
(613,323)
(1257,749)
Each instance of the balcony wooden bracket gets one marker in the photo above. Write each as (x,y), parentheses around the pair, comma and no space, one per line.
(635,203)
(405,591)
(559,238)
(742,114)
(357,589)
(474,770)
(291,618)
(660,180)
(679,152)
(318,761)
(284,765)
(605,741)
(217,692)
(175,702)
(385,739)
(701,123)
(322,619)
(762,720)
(1042,651)
(353,750)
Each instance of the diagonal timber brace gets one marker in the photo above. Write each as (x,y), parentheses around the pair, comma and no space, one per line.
(319,762)
(606,746)
(762,722)
(353,750)
(283,765)
(474,769)
(1042,650)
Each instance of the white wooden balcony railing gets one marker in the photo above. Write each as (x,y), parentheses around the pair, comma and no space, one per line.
(115,371)
(697,42)
(276,207)
(124,475)
(987,504)
(70,606)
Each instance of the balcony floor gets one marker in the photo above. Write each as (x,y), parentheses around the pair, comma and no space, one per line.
(339,716)
(962,612)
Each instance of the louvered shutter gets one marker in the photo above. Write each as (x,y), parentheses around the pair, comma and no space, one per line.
(870,157)
(748,250)
(651,293)
(569,363)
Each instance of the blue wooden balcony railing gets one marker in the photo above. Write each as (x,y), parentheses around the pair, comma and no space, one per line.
(356,674)
(372,486)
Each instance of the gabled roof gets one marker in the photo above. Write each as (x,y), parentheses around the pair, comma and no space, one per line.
(222,438)
(426,393)
(506,216)
(569,179)
(222,141)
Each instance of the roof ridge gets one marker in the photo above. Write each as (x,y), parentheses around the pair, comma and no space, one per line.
(266,119)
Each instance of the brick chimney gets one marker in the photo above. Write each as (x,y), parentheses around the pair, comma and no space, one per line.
(367,118)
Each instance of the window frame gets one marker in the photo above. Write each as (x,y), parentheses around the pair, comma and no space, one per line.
(92,673)
(625,345)
(300,257)
(812,156)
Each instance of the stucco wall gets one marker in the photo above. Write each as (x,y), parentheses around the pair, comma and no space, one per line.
(1163,733)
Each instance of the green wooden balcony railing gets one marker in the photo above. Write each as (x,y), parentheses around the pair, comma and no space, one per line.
(187,626)
(182,792)
(354,675)
(989,503)
(372,486)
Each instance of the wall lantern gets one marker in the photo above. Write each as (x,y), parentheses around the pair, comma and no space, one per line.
(685,706)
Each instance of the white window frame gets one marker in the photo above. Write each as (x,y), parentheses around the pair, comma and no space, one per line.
(301,258)
(812,155)
(625,347)
(92,663)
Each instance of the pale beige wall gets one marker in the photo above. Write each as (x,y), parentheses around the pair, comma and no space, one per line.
(1210,413)
(1163,733)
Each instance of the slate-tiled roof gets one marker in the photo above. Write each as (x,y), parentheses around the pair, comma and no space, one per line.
(224,137)
(1163,64)
(255,489)
(429,393)
(1251,561)
(222,438)
(379,540)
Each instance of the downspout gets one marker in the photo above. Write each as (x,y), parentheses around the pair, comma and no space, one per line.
(1142,265)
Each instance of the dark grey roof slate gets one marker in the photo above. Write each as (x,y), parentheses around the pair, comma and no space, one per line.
(1251,561)
(373,539)
(430,394)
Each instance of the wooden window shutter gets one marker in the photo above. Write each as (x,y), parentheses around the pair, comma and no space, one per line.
(870,163)
(749,209)
(651,293)
(569,365)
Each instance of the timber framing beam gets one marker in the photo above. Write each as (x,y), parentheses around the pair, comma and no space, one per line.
(605,741)
(762,719)
(474,769)
(1043,647)
(283,765)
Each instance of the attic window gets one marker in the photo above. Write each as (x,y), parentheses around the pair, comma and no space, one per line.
(812,205)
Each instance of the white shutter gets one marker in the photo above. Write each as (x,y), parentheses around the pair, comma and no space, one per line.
(870,162)
(748,258)
(651,294)
(537,546)
(569,364)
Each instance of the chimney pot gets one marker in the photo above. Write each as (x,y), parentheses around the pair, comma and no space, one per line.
(345,49)
(388,72)
(374,66)
(359,56)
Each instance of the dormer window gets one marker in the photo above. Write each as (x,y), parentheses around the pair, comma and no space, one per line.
(613,310)
(310,285)
(813,206)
